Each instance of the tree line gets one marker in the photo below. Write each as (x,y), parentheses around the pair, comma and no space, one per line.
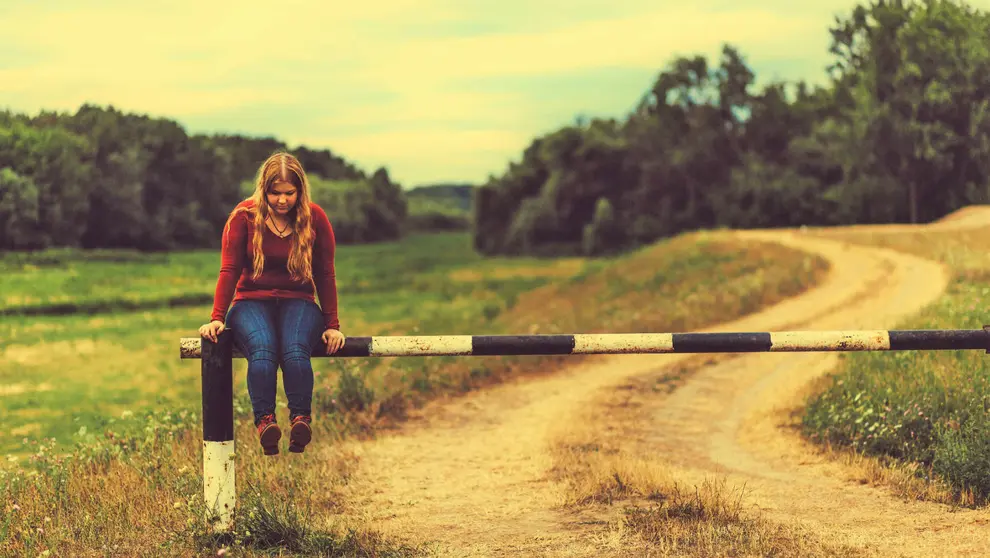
(102,178)
(899,133)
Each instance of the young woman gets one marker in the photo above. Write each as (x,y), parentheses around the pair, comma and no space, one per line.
(277,257)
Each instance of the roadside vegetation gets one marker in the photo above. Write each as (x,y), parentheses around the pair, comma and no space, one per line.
(921,417)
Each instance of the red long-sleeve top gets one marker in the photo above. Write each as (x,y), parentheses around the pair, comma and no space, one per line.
(237,265)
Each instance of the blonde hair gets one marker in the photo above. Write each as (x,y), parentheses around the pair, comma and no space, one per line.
(283,167)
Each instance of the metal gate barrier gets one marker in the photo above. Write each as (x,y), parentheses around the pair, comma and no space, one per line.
(218,390)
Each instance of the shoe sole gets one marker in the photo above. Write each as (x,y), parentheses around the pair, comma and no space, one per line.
(269,439)
(299,437)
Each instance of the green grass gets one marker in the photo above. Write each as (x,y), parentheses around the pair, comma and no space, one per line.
(429,213)
(61,373)
(123,408)
(418,205)
(929,410)
(63,282)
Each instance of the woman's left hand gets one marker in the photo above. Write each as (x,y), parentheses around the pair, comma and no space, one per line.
(334,340)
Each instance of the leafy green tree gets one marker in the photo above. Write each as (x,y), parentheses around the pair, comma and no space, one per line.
(53,159)
(604,233)
(19,226)
(900,133)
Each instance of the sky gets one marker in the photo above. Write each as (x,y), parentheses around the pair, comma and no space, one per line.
(433,90)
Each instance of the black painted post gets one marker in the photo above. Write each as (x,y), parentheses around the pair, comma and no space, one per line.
(218,430)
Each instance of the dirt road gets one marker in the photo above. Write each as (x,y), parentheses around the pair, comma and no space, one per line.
(472,475)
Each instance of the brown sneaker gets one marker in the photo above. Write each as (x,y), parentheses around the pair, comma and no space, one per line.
(269,434)
(300,433)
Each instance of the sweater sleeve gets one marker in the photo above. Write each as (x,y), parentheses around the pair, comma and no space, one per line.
(232,252)
(324,276)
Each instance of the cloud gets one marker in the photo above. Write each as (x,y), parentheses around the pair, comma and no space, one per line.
(429,88)
(646,40)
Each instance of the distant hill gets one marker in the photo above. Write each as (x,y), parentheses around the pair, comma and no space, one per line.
(458,195)
(440,206)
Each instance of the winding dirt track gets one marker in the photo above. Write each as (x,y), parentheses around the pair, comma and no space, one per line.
(471,475)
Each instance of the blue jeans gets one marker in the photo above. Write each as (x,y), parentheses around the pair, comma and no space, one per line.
(277,331)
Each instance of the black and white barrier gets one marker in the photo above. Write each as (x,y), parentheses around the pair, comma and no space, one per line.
(629,343)
(217,368)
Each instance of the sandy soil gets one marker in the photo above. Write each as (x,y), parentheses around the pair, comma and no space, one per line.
(471,475)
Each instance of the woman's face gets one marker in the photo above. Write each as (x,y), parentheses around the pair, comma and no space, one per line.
(282,198)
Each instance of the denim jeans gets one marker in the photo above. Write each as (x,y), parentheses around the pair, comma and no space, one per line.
(277,331)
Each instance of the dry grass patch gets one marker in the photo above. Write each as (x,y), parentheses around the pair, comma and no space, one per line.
(663,287)
(603,462)
(130,497)
(47,353)
(21,388)
(711,520)
(904,480)
(564,267)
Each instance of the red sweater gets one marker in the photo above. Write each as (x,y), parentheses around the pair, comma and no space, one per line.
(237,265)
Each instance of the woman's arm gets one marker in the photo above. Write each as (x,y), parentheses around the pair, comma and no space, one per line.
(324,276)
(231,264)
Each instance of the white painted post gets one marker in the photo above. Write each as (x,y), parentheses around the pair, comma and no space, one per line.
(218,431)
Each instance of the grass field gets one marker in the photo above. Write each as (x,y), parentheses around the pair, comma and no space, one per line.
(923,412)
(112,383)
(62,373)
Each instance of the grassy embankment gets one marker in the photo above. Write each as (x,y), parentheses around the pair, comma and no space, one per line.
(917,421)
(137,455)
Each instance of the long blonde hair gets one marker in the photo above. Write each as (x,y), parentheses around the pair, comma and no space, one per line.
(283,167)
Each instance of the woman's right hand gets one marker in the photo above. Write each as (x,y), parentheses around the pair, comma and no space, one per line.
(211,330)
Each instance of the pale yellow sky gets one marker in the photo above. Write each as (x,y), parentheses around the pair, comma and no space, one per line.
(435,90)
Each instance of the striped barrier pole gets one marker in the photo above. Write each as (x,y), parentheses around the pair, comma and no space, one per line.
(217,368)
(631,343)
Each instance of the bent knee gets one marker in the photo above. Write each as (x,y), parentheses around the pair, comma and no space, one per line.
(297,355)
(262,354)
